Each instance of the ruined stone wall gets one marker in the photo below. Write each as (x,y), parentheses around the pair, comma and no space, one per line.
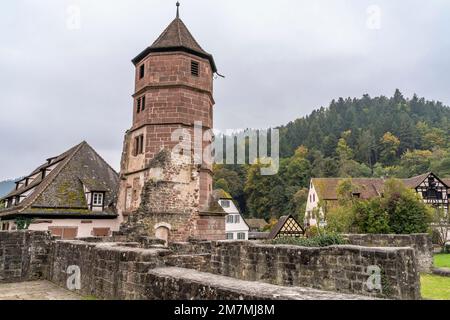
(337,268)
(421,243)
(126,270)
(108,270)
(24,255)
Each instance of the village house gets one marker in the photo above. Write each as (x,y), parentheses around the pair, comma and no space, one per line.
(323,192)
(72,195)
(236,227)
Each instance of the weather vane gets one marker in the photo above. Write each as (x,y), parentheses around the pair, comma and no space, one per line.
(178,9)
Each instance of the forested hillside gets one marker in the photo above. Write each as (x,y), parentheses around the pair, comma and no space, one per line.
(389,137)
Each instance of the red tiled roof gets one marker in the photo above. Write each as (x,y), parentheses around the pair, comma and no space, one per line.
(326,188)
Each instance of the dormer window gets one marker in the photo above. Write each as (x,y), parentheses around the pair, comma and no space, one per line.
(225,203)
(97,199)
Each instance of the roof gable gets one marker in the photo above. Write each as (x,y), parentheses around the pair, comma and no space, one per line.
(286,226)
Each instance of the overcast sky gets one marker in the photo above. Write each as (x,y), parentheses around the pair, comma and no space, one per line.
(65,78)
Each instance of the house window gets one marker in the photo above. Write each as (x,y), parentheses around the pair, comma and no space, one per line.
(230,219)
(230,236)
(237,219)
(97,199)
(138,145)
(195,70)
(66,233)
(314,197)
(141,71)
(241,236)
(101,232)
(225,203)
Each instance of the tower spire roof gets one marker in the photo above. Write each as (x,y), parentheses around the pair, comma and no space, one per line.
(176,37)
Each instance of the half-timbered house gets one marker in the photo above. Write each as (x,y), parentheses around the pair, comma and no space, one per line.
(323,192)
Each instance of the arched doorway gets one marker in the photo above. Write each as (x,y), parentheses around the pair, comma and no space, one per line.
(162,232)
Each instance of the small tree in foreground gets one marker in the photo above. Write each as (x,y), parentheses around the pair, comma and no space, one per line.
(441,227)
(407,212)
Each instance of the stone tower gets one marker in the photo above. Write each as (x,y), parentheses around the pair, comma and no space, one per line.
(166,184)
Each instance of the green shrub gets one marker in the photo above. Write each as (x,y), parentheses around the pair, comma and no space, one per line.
(370,217)
(407,212)
(340,219)
(23,223)
(324,240)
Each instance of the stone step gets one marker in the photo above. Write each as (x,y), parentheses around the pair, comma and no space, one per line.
(444,272)
(179,283)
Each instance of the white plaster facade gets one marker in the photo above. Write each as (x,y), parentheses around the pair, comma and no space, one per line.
(235,226)
(80,228)
(312,207)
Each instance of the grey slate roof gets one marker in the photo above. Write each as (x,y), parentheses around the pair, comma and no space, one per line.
(62,192)
(176,37)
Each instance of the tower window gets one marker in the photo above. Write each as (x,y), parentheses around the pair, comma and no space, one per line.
(141,71)
(138,145)
(195,70)
(140,104)
(143,103)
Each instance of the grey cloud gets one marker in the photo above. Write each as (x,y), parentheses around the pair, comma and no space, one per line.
(281,60)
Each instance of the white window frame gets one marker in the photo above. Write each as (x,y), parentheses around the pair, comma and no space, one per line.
(230,236)
(230,219)
(241,235)
(97,201)
(237,218)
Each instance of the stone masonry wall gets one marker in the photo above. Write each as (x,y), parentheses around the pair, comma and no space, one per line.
(421,243)
(335,268)
(108,270)
(118,270)
(24,255)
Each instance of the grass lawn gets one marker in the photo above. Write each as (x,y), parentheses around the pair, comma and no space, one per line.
(435,287)
(442,260)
